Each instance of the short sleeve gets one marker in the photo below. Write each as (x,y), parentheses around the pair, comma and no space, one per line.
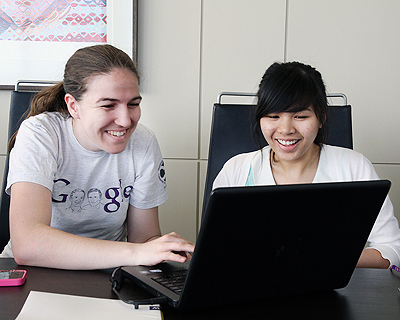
(34,155)
(150,186)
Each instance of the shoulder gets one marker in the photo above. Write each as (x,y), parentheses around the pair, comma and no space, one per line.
(143,143)
(45,128)
(242,159)
(344,164)
(143,130)
(333,152)
(235,171)
(45,121)
(47,117)
(142,134)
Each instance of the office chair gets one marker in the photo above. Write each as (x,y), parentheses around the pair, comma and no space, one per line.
(19,106)
(232,133)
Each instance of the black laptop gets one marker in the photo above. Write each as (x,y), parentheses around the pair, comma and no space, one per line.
(268,241)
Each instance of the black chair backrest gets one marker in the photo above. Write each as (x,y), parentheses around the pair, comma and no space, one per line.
(19,105)
(232,134)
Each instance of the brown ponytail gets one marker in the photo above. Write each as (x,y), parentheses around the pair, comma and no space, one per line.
(51,100)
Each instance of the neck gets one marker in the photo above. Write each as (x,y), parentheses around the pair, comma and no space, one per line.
(302,170)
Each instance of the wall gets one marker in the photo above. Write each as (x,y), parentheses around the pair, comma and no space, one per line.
(190,51)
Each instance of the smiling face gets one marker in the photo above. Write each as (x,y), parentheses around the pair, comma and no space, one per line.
(77,198)
(291,135)
(108,113)
(94,198)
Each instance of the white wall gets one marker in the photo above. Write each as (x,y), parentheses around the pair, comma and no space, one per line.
(191,50)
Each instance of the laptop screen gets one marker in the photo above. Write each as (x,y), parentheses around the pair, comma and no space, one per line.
(267,241)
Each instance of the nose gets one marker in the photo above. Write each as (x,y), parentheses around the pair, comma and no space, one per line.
(286,126)
(122,116)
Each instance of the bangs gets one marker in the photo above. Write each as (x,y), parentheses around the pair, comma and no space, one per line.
(291,94)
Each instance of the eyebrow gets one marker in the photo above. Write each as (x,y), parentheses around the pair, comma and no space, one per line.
(306,109)
(116,100)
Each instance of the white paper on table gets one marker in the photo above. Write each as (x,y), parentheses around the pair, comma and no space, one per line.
(52,306)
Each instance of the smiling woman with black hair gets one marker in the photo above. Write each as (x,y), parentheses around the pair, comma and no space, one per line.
(291,115)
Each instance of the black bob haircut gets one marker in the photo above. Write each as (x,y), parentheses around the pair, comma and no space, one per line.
(291,87)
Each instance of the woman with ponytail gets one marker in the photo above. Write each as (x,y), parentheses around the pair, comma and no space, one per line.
(85,178)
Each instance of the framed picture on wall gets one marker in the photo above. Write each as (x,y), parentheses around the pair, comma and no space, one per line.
(38,37)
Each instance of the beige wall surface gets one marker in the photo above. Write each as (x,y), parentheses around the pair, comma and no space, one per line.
(190,51)
(240,40)
(355,45)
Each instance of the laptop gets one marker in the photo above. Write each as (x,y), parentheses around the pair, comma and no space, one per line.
(268,241)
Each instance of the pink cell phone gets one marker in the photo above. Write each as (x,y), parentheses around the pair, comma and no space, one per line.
(12,277)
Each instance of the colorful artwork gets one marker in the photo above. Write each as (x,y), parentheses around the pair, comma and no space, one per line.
(53,20)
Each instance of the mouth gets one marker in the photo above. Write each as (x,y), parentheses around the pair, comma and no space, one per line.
(116,133)
(287,142)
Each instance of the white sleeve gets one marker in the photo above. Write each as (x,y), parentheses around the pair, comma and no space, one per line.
(222,179)
(385,234)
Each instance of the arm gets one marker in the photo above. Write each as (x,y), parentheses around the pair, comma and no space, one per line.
(372,258)
(144,227)
(143,224)
(35,243)
(384,239)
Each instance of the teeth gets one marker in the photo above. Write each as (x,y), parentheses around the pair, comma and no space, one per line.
(287,143)
(117,133)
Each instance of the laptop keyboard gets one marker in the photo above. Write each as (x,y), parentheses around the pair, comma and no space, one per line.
(173,281)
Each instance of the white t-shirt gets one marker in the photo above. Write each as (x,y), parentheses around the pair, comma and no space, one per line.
(91,191)
(335,165)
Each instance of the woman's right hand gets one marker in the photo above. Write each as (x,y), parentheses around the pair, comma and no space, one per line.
(170,247)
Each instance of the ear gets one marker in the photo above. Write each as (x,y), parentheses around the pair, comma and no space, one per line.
(72,105)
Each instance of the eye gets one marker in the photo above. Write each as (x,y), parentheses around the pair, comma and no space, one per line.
(107,106)
(301,117)
(133,105)
(272,116)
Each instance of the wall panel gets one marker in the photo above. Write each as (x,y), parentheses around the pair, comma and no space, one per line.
(168,58)
(240,40)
